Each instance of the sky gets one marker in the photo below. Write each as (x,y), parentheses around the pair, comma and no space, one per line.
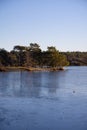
(59,23)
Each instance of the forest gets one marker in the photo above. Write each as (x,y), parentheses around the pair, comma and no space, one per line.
(33,56)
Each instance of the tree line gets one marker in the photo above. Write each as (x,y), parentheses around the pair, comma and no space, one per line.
(76,58)
(33,56)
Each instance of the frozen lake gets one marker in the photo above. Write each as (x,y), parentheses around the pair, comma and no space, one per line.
(44,100)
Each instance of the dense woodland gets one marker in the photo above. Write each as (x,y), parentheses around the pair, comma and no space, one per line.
(76,58)
(33,56)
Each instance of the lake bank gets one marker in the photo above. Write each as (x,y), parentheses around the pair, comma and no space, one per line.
(4,69)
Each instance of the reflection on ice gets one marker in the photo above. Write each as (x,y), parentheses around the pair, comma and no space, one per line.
(43,84)
(44,100)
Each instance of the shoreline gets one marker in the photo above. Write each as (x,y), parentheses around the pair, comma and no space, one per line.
(19,68)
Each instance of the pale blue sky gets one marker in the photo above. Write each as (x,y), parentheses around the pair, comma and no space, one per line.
(59,23)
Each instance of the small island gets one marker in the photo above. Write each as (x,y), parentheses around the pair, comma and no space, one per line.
(32,58)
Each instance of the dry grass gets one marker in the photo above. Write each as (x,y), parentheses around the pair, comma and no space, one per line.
(30,69)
